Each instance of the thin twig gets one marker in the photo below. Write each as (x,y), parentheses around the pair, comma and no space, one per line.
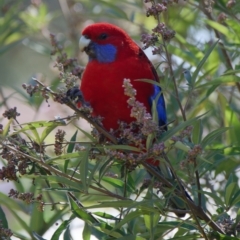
(184,196)
(59,173)
(218,35)
(197,209)
(198,184)
(169,61)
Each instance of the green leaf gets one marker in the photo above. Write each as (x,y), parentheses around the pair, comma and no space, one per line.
(67,235)
(132,237)
(60,189)
(61,228)
(113,10)
(222,29)
(184,54)
(106,228)
(86,134)
(84,169)
(130,216)
(143,205)
(114,182)
(38,237)
(188,236)
(72,144)
(36,218)
(214,196)
(94,170)
(6,128)
(63,157)
(33,126)
(57,179)
(106,165)
(86,234)
(114,204)
(151,220)
(14,208)
(235,199)
(167,135)
(204,59)
(220,236)
(3,218)
(122,147)
(218,81)
(105,215)
(229,191)
(189,226)
(150,139)
(211,136)
(197,131)
(70,149)
(81,213)
(38,124)
(231,72)
(48,130)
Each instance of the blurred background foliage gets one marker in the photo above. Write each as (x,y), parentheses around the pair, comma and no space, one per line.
(25,53)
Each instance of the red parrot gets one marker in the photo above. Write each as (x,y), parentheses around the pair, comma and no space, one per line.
(113,57)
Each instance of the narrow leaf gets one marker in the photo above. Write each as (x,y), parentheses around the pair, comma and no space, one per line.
(61,229)
(70,149)
(81,213)
(211,136)
(204,59)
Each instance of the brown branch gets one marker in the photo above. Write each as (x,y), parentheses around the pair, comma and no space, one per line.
(195,216)
(196,209)
(59,173)
(83,115)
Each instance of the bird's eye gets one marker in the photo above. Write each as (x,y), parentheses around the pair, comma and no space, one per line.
(103,36)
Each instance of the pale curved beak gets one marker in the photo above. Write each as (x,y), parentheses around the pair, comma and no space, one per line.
(83,43)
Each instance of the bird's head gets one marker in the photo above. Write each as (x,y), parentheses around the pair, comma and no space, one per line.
(105,43)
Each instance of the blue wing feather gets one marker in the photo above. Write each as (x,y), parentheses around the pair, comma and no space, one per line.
(160,104)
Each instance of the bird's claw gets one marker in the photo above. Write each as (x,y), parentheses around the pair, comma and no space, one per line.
(76,95)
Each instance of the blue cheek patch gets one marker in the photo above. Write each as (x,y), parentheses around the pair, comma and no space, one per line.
(104,53)
(162,116)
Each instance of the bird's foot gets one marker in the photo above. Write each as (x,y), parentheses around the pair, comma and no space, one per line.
(76,95)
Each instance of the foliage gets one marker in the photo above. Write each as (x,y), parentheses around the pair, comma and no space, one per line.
(104,183)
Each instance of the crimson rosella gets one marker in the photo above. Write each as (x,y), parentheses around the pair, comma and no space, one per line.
(113,57)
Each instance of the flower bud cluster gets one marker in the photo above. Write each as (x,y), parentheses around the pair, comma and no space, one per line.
(228,225)
(15,163)
(231,3)
(69,79)
(156,9)
(32,89)
(5,233)
(62,58)
(160,31)
(222,17)
(11,113)
(131,160)
(59,139)
(138,110)
(194,152)
(28,198)
(158,148)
